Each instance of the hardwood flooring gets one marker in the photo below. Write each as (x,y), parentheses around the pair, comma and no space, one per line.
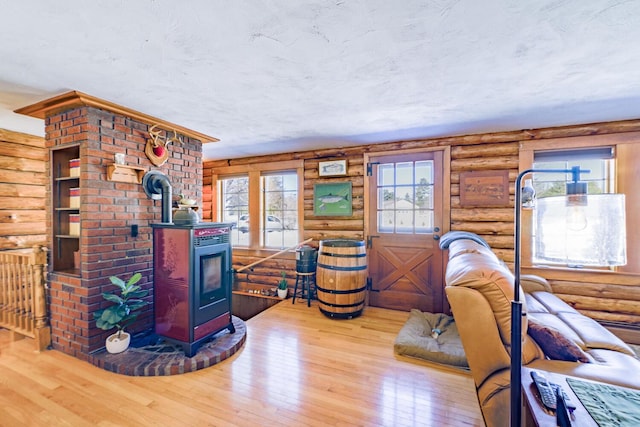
(297,368)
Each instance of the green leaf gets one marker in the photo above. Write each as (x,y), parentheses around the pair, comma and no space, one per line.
(117,281)
(136,304)
(112,298)
(138,294)
(134,279)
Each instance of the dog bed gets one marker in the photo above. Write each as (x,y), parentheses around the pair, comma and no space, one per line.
(433,337)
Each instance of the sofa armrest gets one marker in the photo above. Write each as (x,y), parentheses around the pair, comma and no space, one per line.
(532,283)
(479,333)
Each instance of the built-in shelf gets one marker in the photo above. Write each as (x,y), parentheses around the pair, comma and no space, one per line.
(65,169)
(125,173)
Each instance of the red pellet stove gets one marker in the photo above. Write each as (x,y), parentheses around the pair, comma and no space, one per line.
(192,273)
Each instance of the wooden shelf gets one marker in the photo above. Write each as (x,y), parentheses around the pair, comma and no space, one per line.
(65,246)
(125,173)
(249,294)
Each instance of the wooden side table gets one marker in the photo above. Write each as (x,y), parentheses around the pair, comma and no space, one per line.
(534,413)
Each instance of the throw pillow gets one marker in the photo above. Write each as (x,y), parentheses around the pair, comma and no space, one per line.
(554,344)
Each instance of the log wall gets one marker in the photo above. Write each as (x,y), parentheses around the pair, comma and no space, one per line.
(594,295)
(22,190)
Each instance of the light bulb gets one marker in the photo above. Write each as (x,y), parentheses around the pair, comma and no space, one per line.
(576,219)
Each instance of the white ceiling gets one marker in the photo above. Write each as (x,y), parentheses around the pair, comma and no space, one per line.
(271,76)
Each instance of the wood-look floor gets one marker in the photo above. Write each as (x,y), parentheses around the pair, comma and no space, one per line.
(297,368)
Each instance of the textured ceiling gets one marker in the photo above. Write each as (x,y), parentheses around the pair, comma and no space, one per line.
(275,76)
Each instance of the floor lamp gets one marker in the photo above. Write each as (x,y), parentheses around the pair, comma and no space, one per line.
(591,233)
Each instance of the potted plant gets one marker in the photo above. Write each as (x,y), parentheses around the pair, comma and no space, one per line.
(283,287)
(127,300)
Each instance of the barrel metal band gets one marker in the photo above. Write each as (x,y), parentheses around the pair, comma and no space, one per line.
(355,304)
(336,268)
(343,255)
(341,292)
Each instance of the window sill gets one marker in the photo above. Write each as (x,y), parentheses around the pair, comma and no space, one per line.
(584,275)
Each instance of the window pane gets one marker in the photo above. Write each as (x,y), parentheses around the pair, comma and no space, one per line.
(404,173)
(424,171)
(424,221)
(279,219)
(386,174)
(235,202)
(554,184)
(405,197)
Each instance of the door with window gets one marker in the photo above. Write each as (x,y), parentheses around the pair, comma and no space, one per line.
(405,218)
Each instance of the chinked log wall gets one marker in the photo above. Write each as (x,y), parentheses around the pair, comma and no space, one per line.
(22,190)
(604,298)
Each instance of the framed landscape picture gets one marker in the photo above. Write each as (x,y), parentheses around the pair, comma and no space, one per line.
(332,199)
(332,168)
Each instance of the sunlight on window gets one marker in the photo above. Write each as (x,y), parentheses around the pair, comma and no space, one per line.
(405,197)
(600,180)
(279,222)
(235,199)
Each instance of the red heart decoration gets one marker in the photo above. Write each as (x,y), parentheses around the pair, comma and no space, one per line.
(158,151)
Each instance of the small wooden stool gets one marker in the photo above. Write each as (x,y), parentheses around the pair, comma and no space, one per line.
(305,289)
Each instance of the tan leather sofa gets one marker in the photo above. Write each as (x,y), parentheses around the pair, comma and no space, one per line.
(479,288)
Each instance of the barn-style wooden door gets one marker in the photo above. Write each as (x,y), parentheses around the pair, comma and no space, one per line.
(406,214)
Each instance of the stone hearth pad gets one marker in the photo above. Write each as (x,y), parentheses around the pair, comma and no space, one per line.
(152,356)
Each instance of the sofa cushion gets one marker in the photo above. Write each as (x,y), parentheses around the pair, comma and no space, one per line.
(554,344)
(550,310)
(473,266)
(552,303)
(533,305)
(555,322)
(594,335)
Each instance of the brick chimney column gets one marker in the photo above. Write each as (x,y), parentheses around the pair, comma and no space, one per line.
(108,209)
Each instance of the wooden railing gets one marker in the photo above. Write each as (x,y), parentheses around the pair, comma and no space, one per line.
(23,308)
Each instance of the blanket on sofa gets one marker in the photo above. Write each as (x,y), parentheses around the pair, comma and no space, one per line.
(433,337)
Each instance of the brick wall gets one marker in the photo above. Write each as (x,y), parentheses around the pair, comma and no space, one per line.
(108,210)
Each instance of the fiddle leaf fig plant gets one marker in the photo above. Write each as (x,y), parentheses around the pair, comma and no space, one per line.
(127,300)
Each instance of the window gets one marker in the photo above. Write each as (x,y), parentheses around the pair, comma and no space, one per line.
(263,203)
(235,203)
(600,179)
(405,197)
(279,213)
(612,159)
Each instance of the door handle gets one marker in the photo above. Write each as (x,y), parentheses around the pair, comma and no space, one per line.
(436,236)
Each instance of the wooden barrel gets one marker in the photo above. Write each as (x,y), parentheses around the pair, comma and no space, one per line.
(341,277)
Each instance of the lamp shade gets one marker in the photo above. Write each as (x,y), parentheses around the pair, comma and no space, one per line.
(587,230)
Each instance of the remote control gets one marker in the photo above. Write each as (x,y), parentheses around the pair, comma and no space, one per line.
(547,394)
(567,401)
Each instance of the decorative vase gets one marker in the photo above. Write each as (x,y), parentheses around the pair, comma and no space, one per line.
(282,293)
(117,344)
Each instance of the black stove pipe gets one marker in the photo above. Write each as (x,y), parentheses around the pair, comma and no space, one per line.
(157,186)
